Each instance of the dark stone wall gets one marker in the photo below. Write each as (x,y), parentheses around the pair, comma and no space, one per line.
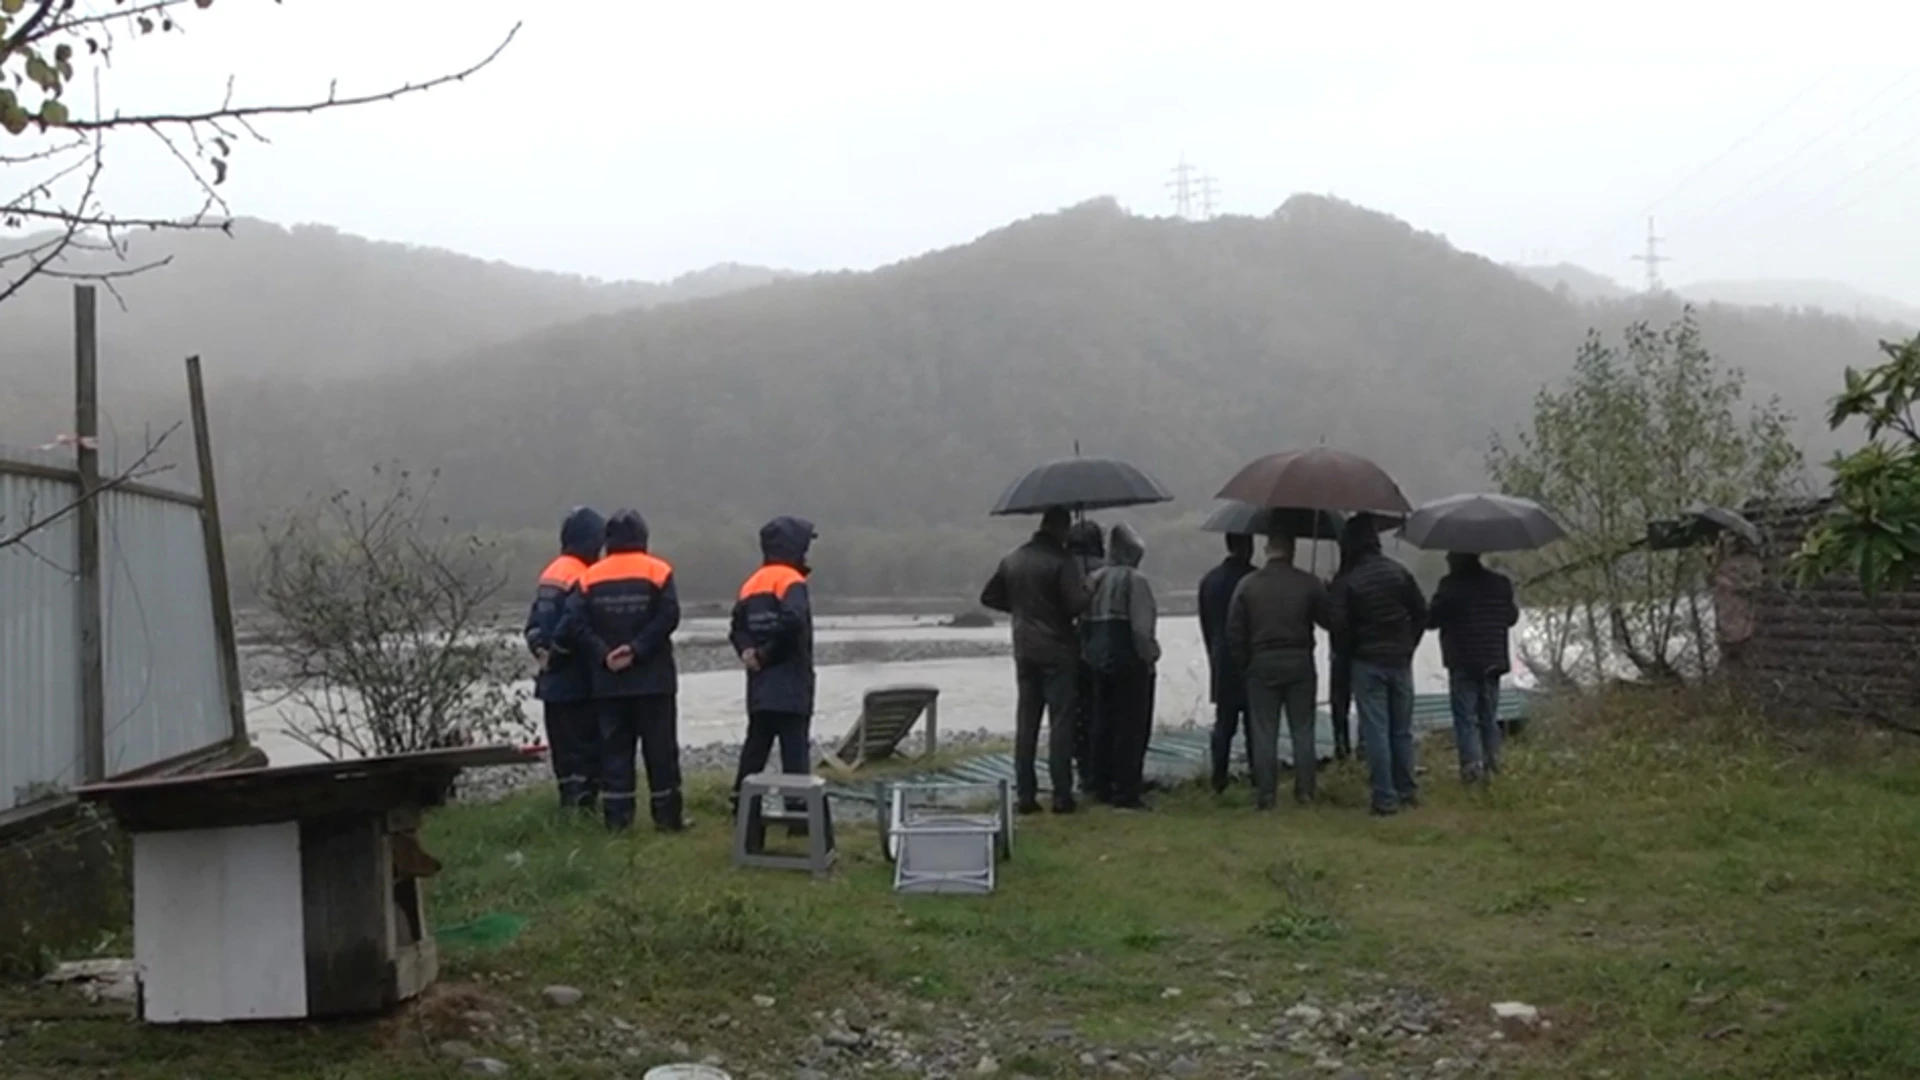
(1825,647)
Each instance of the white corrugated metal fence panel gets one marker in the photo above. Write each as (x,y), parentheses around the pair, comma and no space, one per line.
(39,631)
(165,693)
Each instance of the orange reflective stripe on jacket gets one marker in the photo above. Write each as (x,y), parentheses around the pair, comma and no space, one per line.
(563,572)
(772,579)
(627,566)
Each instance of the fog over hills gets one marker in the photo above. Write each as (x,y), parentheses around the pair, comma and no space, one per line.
(891,406)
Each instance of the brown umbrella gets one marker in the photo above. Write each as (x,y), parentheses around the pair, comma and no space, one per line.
(1318,479)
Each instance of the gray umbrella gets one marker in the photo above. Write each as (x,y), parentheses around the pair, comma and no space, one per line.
(1480,524)
(1081,483)
(1246,519)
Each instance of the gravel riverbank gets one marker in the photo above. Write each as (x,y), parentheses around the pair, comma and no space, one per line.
(264,671)
(494,784)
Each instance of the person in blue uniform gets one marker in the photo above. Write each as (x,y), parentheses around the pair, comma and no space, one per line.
(564,684)
(622,617)
(772,633)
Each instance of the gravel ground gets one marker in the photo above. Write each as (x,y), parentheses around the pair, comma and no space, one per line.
(1369,1029)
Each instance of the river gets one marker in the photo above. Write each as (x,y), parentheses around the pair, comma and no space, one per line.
(976,692)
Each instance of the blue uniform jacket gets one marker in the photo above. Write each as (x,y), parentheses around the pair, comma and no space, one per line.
(567,676)
(627,598)
(774,619)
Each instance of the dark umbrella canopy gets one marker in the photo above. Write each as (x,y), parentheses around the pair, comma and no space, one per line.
(1081,483)
(1700,524)
(1318,479)
(1481,524)
(1247,519)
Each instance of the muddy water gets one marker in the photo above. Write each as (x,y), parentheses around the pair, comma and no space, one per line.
(976,692)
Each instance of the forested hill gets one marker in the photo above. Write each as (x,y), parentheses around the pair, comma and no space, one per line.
(307,304)
(892,406)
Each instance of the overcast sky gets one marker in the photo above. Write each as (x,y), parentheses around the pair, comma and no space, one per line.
(631,138)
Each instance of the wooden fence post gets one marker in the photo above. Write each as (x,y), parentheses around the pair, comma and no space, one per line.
(216,548)
(88,594)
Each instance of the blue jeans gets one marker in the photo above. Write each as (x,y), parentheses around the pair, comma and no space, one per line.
(1476,722)
(1384,695)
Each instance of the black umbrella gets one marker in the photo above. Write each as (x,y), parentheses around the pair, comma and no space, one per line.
(1246,519)
(1481,523)
(1081,483)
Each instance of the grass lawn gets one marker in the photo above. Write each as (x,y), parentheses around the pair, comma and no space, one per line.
(1679,896)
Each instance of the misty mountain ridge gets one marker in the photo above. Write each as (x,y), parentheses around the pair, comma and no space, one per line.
(1832,297)
(309,302)
(893,405)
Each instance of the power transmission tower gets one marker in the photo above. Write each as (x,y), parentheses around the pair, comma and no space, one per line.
(1209,192)
(1182,187)
(1652,258)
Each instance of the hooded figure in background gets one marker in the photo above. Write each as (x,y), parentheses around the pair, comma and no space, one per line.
(622,618)
(564,684)
(1120,645)
(772,633)
(1089,548)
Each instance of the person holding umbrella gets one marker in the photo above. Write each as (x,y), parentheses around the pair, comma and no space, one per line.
(1040,585)
(1270,635)
(1474,609)
(1379,610)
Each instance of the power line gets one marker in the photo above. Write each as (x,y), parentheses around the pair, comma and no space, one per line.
(1652,258)
(1744,139)
(1765,122)
(1182,188)
(1794,213)
(1714,211)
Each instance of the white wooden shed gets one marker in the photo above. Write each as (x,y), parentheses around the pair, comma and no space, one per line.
(284,893)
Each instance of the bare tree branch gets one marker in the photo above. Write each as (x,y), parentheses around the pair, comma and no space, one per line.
(39,48)
(331,101)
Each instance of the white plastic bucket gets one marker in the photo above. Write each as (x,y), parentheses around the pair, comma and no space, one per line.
(687,1071)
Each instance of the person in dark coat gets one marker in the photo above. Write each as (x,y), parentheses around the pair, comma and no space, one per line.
(1271,621)
(623,617)
(1379,608)
(772,633)
(1227,686)
(1474,610)
(564,685)
(1041,586)
(1121,646)
(1340,680)
(1089,548)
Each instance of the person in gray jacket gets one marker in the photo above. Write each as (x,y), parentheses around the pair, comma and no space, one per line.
(1119,644)
(1270,624)
(1041,586)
